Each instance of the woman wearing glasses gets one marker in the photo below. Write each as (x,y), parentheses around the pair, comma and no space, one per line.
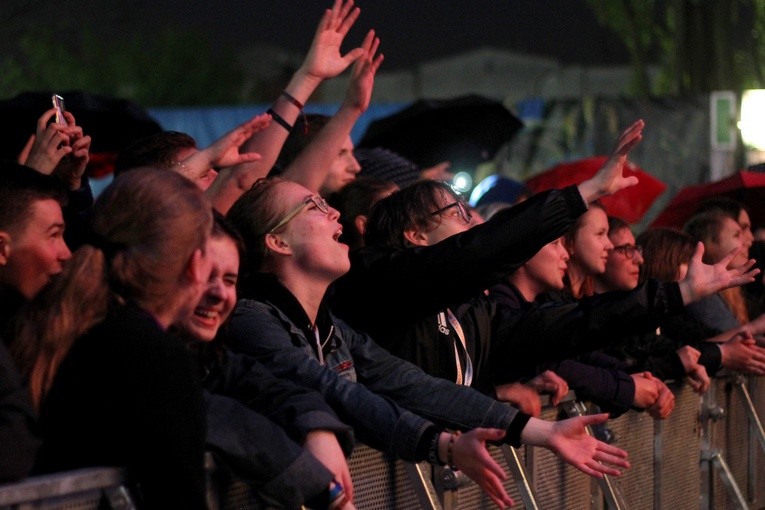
(293,255)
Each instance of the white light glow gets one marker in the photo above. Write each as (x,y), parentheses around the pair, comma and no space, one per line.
(752,122)
(463,182)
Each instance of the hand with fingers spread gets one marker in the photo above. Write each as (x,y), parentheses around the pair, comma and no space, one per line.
(521,396)
(224,152)
(704,280)
(469,455)
(50,145)
(324,59)
(363,74)
(551,383)
(610,178)
(570,441)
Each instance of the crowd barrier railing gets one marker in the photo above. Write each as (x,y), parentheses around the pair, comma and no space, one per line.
(708,454)
(83,489)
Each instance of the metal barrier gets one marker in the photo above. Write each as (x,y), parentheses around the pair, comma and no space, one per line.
(382,482)
(83,489)
(708,454)
(733,444)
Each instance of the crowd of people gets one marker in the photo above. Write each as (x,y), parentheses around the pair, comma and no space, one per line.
(213,300)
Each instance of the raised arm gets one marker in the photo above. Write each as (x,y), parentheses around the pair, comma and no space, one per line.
(323,61)
(704,280)
(312,165)
(609,178)
(223,152)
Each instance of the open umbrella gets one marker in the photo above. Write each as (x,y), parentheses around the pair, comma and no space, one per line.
(465,130)
(111,122)
(629,204)
(744,186)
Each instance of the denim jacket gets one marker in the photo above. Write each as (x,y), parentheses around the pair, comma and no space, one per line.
(271,325)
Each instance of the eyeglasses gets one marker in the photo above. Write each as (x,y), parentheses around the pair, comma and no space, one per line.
(628,250)
(319,202)
(461,207)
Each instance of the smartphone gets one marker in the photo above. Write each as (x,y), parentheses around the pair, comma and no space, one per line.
(58,104)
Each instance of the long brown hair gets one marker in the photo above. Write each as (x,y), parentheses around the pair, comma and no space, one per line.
(146,227)
(664,250)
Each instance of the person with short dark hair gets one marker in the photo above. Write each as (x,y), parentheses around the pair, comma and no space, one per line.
(32,251)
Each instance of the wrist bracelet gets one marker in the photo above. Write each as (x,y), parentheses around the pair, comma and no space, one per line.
(289,97)
(450,449)
(279,119)
(433,451)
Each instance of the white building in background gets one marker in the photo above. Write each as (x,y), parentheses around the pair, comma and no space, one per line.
(498,74)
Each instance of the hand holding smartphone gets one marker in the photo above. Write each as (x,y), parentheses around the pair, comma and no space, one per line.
(58,104)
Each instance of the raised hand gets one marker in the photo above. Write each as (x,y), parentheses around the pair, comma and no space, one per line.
(610,178)
(50,145)
(363,74)
(224,152)
(704,280)
(324,59)
(570,440)
(470,456)
(72,167)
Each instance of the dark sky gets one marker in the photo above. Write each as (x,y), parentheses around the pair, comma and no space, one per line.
(410,30)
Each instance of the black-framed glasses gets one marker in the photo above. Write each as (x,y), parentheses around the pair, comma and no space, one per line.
(464,212)
(316,200)
(629,250)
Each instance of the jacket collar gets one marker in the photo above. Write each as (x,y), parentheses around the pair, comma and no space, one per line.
(267,287)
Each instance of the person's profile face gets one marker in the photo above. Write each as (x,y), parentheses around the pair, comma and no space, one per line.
(547,267)
(343,170)
(219,296)
(591,242)
(624,261)
(730,237)
(37,251)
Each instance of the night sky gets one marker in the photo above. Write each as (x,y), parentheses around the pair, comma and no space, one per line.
(411,30)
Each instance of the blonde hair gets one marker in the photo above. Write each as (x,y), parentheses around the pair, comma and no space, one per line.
(146,227)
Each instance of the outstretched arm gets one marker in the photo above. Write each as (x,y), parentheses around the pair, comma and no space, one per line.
(223,152)
(569,440)
(468,453)
(312,165)
(704,280)
(322,62)
(609,178)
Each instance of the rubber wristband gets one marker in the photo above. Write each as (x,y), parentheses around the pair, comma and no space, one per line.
(289,97)
(279,119)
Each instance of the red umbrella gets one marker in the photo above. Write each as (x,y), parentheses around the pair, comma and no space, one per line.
(744,186)
(629,204)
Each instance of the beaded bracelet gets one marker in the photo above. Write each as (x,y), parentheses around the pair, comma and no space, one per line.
(279,119)
(450,449)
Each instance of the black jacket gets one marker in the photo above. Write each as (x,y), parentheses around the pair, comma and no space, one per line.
(397,295)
